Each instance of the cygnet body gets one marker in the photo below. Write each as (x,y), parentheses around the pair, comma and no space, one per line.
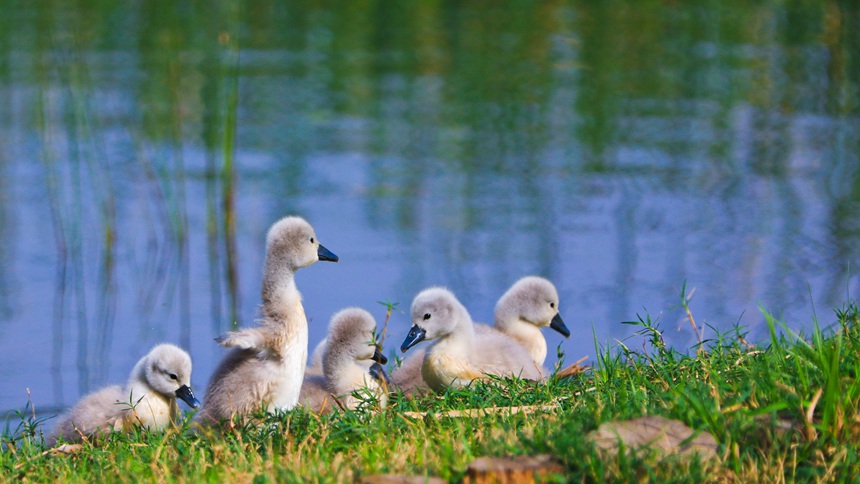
(266,366)
(530,304)
(148,400)
(453,359)
(407,377)
(347,363)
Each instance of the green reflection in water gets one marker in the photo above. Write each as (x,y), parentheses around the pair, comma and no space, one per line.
(495,99)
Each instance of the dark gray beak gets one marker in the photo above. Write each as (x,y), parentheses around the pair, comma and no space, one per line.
(186,395)
(415,336)
(325,254)
(379,357)
(558,324)
(377,372)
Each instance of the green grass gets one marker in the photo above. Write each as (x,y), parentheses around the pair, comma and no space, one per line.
(782,410)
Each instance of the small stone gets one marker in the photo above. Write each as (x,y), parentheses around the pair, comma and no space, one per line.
(664,435)
(511,470)
(400,479)
(66,449)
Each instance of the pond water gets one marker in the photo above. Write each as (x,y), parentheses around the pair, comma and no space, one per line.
(618,148)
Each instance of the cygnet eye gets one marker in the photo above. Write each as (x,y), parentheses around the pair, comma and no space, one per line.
(312,240)
(426,316)
(173,376)
(552,305)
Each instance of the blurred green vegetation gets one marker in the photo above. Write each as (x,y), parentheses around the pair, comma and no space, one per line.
(478,81)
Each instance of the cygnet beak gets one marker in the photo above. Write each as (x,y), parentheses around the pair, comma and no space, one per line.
(379,357)
(186,395)
(415,336)
(325,254)
(377,372)
(558,324)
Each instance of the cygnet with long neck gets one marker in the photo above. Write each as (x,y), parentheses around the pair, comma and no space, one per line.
(266,366)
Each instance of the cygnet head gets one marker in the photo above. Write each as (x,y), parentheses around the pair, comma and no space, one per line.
(531,299)
(435,313)
(167,370)
(292,243)
(351,333)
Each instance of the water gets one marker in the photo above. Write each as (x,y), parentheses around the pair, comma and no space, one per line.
(618,149)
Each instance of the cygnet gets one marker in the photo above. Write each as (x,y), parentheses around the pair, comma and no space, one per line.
(266,366)
(529,305)
(148,400)
(455,358)
(347,363)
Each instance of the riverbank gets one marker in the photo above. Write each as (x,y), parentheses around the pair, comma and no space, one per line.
(784,409)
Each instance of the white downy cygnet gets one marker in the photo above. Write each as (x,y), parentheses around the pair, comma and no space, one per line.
(455,358)
(530,304)
(148,400)
(347,363)
(266,366)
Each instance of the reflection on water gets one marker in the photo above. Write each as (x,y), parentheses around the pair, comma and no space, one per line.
(617,148)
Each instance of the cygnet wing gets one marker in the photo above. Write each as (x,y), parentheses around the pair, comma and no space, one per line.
(96,412)
(501,355)
(314,396)
(407,377)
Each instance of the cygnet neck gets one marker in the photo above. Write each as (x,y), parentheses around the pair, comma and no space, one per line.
(346,376)
(152,409)
(279,292)
(138,386)
(460,341)
(527,334)
(336,362)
